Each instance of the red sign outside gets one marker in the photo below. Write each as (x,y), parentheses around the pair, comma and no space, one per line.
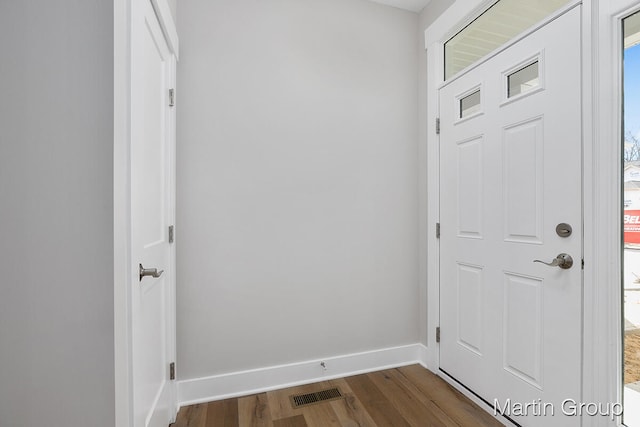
(632,226)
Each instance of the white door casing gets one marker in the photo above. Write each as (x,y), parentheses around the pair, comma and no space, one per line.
(152,212)
(509,174)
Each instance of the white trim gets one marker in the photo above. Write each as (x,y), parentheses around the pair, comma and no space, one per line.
(172,310)
(122,197)
(422,355)
(432,257)
(171,398)
(122,212)
(602,295)
(163,406)
(224,386)
(165,18)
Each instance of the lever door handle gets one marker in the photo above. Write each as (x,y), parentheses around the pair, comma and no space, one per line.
(151,272)
(563,261)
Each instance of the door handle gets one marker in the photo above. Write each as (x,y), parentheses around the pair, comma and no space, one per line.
(563,261)
(151,272)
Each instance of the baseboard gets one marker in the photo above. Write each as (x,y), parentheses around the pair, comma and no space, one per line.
(253,381)
(424,355)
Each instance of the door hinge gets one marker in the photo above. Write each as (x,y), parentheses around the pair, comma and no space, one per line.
(438,334)
(438,126)
(172,370)
(583,263)
(171,234)
(437,230)
(172,97)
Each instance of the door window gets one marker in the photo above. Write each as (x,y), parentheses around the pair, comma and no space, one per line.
(524,80)
(469,104)
(631,221)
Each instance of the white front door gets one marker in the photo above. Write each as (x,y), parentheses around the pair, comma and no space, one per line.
(510,165)
(152,212)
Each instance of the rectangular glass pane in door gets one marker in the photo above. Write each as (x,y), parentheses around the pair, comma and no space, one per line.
(523,80)
(631,221)
(470,104)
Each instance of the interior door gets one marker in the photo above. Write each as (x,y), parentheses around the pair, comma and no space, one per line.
(510,164)
(152,211)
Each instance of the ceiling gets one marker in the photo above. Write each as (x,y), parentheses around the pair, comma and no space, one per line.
(411,5)
(632,30)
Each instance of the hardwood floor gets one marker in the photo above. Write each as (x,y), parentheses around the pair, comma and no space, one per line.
(407,396)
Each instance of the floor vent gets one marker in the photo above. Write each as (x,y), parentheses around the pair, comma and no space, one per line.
(300,400)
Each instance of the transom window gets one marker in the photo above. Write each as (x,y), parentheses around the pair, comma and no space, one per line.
(496,26)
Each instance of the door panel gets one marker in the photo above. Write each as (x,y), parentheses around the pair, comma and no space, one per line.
(522,327)
(523,181)
(470,188)
(510,172)
(470,290)
(151,210)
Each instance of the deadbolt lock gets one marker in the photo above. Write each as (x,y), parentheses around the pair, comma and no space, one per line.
(564,230)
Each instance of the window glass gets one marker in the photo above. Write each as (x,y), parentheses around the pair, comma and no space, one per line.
(523,80)
(495,27)
(631,221)
(470,104)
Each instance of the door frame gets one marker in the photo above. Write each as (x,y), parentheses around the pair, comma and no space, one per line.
(602,234)
(603,367)
(122,193)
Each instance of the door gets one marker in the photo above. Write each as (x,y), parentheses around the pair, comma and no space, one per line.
(510,164)
(152,211)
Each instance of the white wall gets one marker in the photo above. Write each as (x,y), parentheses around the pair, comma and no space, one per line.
(56,213)
(297,181)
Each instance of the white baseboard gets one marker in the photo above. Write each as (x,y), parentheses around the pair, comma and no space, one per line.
(424,355)
(253,381)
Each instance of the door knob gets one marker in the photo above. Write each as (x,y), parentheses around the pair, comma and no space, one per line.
(563,261)
(151,272)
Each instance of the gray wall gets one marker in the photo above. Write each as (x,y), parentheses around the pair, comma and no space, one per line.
(173,5)
(430,13)
(56,213)
(297,181)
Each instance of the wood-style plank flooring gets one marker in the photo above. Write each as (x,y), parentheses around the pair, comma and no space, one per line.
(407,396)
